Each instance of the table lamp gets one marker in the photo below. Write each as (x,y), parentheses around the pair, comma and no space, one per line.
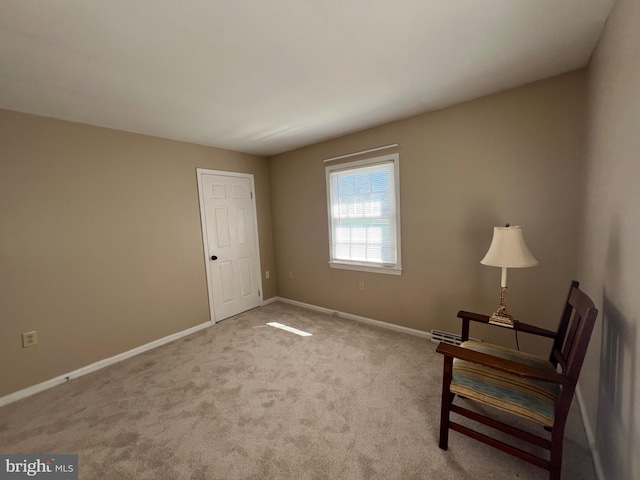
(507,250)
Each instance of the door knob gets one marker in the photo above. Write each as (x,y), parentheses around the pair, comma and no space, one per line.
(213,257)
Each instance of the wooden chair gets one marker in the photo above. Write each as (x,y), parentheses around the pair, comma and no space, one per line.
(519,383)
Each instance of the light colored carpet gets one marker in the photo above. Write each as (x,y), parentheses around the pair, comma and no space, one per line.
(243,400)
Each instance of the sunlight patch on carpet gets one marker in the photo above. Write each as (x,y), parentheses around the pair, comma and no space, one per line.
(289,329)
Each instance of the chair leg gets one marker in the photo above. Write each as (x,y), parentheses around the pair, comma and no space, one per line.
(447,398)
(555,461)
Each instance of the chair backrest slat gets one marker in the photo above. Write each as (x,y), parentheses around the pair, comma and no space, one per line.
(563,326)
(571,335)
(557,354)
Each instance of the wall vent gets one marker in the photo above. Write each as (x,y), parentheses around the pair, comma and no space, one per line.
(438,336)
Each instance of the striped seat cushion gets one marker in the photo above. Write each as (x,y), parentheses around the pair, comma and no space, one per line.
(530,399)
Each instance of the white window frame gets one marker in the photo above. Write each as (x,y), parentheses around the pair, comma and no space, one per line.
(363,266)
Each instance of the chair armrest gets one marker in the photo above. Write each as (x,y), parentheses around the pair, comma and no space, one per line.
(502,364)
(475,317)
(519,326)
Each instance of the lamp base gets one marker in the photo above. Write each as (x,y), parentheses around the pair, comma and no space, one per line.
(501,318)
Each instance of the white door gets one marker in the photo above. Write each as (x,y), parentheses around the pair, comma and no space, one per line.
(230,235)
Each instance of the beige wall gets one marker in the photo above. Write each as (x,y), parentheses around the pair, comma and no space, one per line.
(610,245)
(100,242)
(515,157)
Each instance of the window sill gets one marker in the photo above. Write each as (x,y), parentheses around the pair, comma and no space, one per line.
(394,270)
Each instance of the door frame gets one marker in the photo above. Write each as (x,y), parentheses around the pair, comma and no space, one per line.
(200,172)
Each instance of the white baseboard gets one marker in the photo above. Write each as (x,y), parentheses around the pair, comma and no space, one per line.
(26,392)
(349,316)
(20,394)
(590,435)
(269,300)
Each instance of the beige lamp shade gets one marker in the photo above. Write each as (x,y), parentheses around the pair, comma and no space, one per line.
(508,249)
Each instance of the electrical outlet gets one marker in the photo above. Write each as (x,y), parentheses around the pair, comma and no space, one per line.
(290,274)
(267,274)
(361,285)
(29,339)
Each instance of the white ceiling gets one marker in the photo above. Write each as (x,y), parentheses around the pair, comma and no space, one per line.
(268,76)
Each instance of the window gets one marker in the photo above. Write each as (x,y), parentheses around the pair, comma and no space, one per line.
(364,215)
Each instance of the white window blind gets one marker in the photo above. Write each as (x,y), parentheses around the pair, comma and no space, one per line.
(364,220)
